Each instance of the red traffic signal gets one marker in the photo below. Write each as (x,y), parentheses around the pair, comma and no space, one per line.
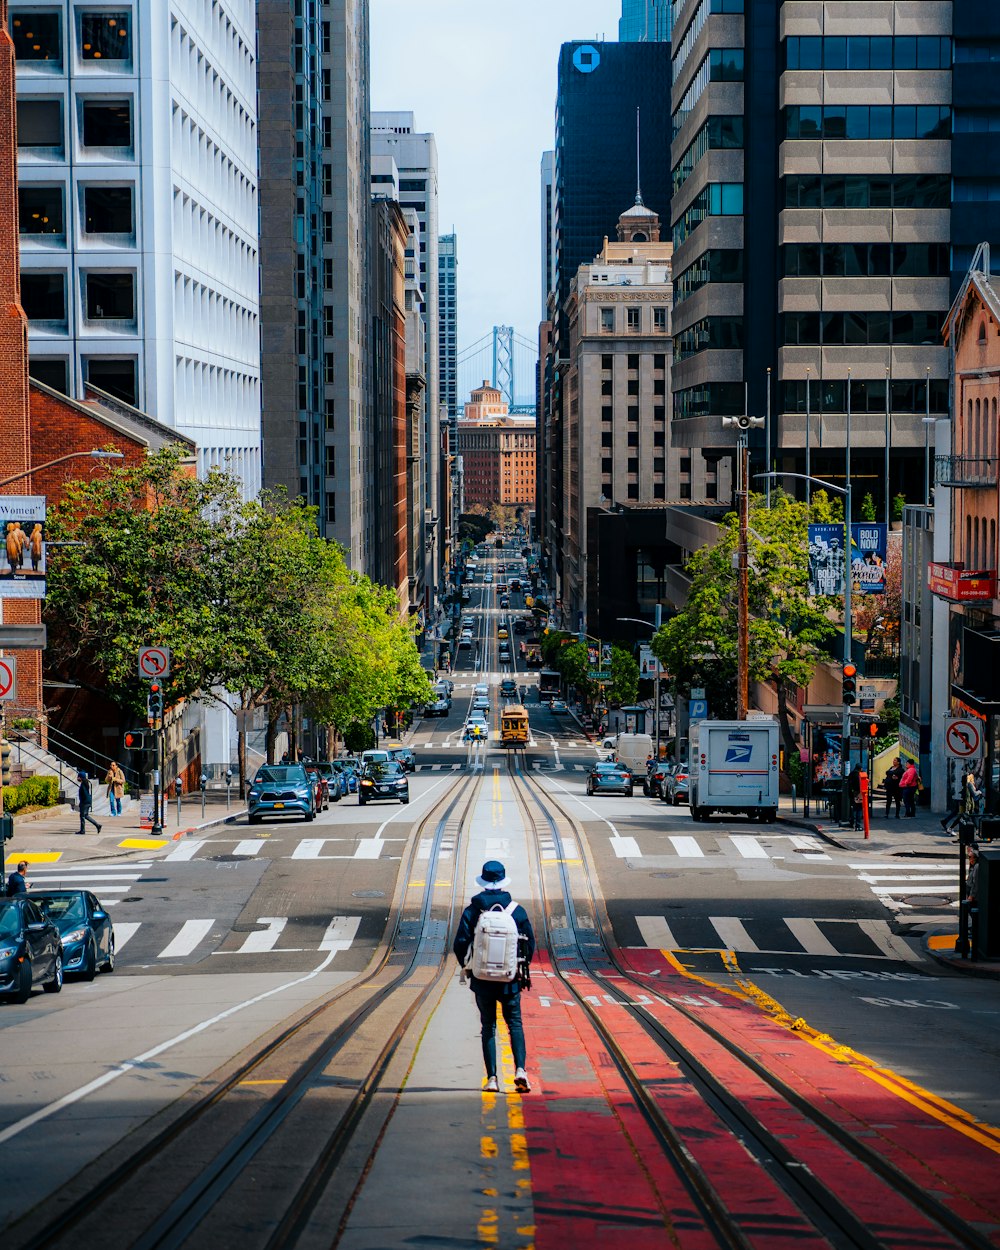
(135,740)
(849,685)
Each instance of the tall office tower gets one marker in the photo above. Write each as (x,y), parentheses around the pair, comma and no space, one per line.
(314,160)
(137,159)
(600,88)
(448,323)
(975,146)
(812,164)
(415,155)
(547,174)
(644,21)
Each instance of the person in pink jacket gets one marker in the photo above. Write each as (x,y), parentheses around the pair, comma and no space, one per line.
(908,788)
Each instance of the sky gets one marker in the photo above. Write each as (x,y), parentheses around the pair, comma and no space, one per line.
(481,75)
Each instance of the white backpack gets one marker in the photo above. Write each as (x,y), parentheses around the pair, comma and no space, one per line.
(494,944)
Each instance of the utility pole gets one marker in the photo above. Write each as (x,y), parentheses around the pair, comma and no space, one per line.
(743,571)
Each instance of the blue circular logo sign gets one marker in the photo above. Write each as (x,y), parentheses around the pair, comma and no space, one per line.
(586,58)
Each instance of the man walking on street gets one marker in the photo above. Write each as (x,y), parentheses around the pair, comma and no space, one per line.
(491,994)
(17,881)
(85,799)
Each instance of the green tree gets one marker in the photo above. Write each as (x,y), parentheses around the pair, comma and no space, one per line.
(624,686)
(787,627)
(868,507)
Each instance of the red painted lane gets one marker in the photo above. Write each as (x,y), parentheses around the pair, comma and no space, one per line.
(932,1150)
(599,1175)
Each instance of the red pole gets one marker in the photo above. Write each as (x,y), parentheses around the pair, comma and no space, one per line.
(864,802)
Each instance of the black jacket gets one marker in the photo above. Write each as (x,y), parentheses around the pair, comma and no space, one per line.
(85,794)
(467,928)
(16,884)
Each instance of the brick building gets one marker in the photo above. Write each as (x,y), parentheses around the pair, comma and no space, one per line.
(498,452)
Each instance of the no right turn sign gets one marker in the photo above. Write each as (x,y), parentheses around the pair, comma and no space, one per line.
(8,678)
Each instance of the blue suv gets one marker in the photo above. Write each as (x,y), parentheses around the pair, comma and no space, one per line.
(281,790)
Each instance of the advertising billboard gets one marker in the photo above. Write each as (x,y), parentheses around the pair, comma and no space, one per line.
(22,573)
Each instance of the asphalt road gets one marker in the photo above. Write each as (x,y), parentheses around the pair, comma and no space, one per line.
(225,935)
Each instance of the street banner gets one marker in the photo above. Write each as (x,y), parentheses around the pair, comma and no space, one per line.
(826,559)
(868,556)
(22,573)
(649,665)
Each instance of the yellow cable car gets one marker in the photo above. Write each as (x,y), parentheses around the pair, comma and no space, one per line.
(514,726)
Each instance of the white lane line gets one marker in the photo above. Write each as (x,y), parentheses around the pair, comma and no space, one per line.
(192,932)
(809,846)
(340,933)
(686,847)
(309,848)
(250,847)
(733,935)
(904,888)
(887,941)
(127,929)
(82,1091)
(186,850)
(874,877)
(264,939)
(626,848)
(807,933)
(656,932)
(369,848)
(939,866)
(748,846)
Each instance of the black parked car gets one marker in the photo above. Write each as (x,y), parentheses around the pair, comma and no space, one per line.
(383,779)
(85,929)
(30,950)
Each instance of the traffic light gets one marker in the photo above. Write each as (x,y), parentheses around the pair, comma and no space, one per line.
(869,729)
(850,684)
(154,704)
(135,740)
(6,763)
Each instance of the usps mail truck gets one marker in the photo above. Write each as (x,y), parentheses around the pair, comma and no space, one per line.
(734,768)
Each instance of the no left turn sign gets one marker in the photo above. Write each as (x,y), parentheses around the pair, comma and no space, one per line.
(154,662)
(8,678)
(963,738)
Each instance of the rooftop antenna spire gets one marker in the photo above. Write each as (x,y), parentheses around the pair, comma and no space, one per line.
(638,181)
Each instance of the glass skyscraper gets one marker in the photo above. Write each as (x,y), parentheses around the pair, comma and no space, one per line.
(644,21)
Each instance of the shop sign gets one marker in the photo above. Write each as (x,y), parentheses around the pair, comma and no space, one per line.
(960,586)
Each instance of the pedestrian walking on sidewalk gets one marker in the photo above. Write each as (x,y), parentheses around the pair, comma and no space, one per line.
(908,784)
(493,993)
(115,781)
(85,801)
(892,794)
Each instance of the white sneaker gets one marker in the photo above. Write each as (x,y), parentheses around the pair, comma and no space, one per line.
(492,1086)
(521,1082)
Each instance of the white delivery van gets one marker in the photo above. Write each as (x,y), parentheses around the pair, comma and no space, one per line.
(633,750)
(734,768)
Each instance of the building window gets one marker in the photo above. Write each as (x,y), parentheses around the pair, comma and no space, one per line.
(108,210)
(633,385)
(633,412)
(606,387)
(632,319)
(660,322)
(658,438)
(607,361)
(633,360)
(659,490)
(50,371)
(113,374)
(331,508)
(107,123)
(40,209)
(607,439)
(110,296)
(607,465)
(633,490)
(659,412)
(39,123)
(105,36)
(36,36)
(43,295)
(607,320)
(633,441)
(607,414)
(331,462)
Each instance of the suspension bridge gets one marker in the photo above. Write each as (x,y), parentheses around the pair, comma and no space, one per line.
(507,360)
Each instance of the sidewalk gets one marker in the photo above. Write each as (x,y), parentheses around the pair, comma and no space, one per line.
(916,838)
(54,838)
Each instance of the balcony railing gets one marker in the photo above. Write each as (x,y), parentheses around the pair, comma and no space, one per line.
(965,472)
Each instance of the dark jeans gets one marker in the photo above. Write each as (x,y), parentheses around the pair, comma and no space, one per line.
(892,796)
(909,794)
(85,815)
(487,1002)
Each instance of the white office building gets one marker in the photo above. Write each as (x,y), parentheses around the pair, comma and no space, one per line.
(137,162)
(415,158)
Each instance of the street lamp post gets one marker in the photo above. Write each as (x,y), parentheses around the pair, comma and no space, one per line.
(845,748)
(73,455)
(654,626)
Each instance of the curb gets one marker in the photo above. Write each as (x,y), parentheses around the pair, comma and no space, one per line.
(60,809)
(810,827)
(988,969)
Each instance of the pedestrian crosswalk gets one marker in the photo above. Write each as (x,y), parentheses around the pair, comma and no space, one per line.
(787,935)
(109,882)
(915,890)
(685,850)
(202,938)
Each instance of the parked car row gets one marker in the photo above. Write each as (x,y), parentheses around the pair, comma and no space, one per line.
(47,934)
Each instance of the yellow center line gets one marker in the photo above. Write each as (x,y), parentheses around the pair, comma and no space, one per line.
(281,1082)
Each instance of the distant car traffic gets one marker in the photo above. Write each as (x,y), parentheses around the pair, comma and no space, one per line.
(85,930)
(383,779)
(336,779)
(281,790)
(31,951)
(559,707)
(404,756)
(481,703)
(440,707)
(480,688)
(655,782)
(676,789)
(322,788)
(508,688)
(609,778)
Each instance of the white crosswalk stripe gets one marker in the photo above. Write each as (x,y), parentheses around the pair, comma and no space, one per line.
(191,934)
(103,880)
(908,887)
(789,935)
